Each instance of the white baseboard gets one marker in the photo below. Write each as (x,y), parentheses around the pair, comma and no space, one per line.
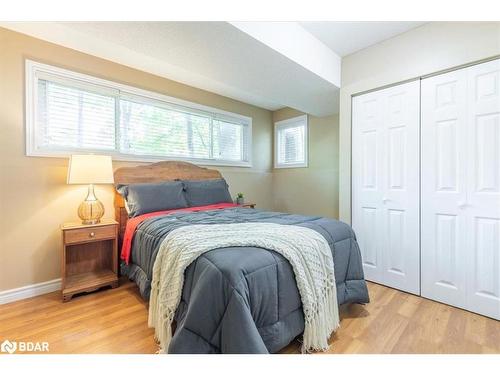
(28,291)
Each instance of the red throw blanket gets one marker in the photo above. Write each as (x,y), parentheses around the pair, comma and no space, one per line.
(134,222)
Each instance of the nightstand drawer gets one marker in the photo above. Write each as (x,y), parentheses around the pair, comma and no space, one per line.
(89,234)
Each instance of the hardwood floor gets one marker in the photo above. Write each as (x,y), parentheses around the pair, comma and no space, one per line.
(115,321)
(109,321)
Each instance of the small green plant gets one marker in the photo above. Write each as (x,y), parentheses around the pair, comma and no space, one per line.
(239,198)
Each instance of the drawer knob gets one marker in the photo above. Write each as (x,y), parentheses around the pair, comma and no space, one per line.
(91,234)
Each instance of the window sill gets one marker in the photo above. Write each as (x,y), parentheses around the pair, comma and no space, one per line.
(288,166)
(139,159)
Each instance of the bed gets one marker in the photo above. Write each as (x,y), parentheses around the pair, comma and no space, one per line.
(235,299)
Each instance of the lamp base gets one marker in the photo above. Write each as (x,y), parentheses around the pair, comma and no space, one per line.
(91,222)
(91,209)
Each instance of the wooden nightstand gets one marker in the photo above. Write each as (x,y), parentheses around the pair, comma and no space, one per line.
(248,205)
(89,257)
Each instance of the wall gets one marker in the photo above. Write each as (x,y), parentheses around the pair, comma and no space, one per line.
(312,190)
(427,49)
(34,197)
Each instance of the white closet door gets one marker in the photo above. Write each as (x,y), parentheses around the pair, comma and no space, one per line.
(385,184)
(443,189)
(461,188)
(368,144)
(401,130)
(483,189)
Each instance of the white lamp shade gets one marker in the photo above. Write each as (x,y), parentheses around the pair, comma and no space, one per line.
(90,169)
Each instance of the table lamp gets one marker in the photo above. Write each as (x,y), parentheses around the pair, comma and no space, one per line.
(91,170)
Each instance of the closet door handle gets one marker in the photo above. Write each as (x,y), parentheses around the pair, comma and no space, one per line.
(462,205)
(385,200)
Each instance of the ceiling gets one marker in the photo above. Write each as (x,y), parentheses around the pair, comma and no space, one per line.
(268,64)
(345,38)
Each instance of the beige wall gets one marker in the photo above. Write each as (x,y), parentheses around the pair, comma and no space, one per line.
(34,198)
(427,49)
(312,190)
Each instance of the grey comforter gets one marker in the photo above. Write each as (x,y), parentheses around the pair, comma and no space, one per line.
(241,299)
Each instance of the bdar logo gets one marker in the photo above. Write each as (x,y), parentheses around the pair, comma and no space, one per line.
(8,347)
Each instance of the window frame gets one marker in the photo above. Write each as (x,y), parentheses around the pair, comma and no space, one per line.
(34,69)
(289,123)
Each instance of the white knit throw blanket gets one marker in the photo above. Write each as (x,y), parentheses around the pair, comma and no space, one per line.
(307,251)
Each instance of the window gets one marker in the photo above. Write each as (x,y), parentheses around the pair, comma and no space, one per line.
(290,143)
(68,112)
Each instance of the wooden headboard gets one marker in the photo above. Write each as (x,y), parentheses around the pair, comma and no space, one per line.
(156,172)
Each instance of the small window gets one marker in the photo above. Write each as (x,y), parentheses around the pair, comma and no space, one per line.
(290,143)
(69,112)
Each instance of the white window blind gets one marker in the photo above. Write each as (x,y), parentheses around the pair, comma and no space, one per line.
(290,146)
(69,112)
(71,118)
(228,140)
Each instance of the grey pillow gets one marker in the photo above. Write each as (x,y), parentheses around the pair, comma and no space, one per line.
(205,192)
(150,197)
